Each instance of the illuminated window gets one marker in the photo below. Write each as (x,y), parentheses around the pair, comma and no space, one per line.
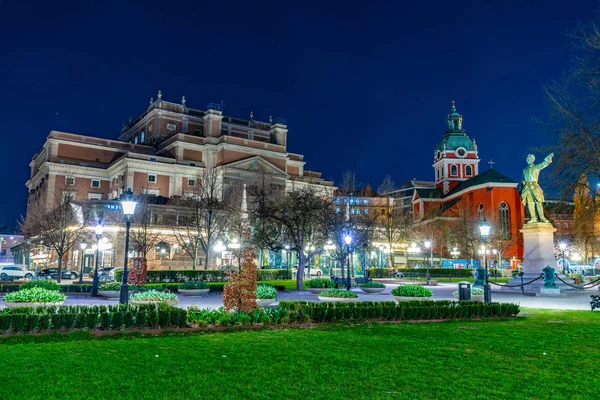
(142,138)
(70,180)
(135,140)
(171,126)
(366,211)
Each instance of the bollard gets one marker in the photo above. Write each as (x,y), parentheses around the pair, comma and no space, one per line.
(464,291)
(522,287)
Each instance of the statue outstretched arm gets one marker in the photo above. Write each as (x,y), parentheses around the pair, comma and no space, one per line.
(547,161)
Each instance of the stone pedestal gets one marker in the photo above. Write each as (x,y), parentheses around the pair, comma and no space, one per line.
(538,243)
(550,292)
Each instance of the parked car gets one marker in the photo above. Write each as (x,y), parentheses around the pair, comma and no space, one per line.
(52,273)
(312,271)
(111,273)
(12,271)
(103,273)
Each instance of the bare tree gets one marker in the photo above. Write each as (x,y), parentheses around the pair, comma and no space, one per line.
(387,186)
(349,184)
(60,227)
(144,234)
(464,232)
(203,215)
(395,226)
(304,214)
(574,121)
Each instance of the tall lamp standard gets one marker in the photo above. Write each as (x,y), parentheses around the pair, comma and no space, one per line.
(380,261)
(128,204)
(484,231)
(427,245)
(82,246)
(348,240)
(563,247)
(99,230)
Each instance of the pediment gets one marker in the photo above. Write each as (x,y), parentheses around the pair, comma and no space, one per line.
(256,164)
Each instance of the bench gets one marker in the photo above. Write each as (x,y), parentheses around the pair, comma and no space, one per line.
(595,303)
(359,281)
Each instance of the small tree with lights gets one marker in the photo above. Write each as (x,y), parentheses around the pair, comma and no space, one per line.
(240,293)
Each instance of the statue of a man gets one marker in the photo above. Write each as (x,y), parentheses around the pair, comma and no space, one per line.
(531,192)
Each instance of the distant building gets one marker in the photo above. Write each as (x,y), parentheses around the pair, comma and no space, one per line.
(8,240)
(160,153)
(461,188)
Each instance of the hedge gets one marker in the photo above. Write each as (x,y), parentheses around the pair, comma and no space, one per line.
(301,311)
(74,288)
(273,274)
(433,272)
(404,310)
(112,317)
(206,276)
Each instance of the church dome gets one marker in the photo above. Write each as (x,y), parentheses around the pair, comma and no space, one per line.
(455,137)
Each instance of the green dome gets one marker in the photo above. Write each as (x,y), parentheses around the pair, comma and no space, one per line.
(453,141)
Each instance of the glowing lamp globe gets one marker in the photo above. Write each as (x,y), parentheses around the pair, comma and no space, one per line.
(348,239)
(484,229)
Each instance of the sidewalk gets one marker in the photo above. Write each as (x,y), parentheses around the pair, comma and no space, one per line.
(443,291)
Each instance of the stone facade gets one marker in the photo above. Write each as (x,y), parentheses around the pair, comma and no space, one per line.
(161,152)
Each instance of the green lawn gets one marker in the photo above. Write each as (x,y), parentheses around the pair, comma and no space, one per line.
(542,355)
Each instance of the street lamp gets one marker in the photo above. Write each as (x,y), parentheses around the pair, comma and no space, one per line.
(82,246)
(563,247)
(380,263)
(128,204)
(484,231)
(348,240)
(99,230)
(427,245)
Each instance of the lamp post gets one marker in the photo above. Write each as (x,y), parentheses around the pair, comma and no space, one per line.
(99,230)
(427,245)
(484,231)
(128,204)
(348,240)
(563,247)
(82,246)
(380,263)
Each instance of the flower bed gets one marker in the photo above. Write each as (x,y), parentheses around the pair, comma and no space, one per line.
(153,297)
(372,287)
(338,295)
(411,292)
(193,288)
(34,297)
(265,295)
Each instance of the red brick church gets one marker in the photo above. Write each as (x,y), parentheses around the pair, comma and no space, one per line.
(461,190)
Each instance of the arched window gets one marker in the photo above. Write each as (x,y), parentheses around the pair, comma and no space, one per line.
(469,170)
(480,213)
(504,220)
(135,140)
(163,250)
(454,170)
(142,138)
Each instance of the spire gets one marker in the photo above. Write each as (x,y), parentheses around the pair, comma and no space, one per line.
(454,120)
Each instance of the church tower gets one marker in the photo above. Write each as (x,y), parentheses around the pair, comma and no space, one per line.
(455,156)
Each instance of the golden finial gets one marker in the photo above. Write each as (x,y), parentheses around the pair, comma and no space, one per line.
(453,105)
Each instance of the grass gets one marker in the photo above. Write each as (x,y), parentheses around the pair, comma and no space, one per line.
(546,354)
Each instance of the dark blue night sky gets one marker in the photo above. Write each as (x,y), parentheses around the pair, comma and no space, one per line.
(363,86)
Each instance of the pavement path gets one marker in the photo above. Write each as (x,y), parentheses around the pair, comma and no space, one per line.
(579,300)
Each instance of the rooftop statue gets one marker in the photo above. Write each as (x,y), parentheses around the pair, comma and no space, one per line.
(531,192)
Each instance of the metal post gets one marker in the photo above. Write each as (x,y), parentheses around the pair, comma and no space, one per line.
(81,267)
(348,284)
(487,293)
(563,260)
(124,296)
(95,280)
(427,276)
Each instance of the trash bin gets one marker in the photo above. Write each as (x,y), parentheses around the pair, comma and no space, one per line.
(464,291)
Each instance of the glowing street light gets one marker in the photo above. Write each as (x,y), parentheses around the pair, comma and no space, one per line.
(98,230)
(484,231)
(128,205)
(348,240)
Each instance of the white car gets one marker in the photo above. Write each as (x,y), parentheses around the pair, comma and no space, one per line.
(12,271)
(313,272)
